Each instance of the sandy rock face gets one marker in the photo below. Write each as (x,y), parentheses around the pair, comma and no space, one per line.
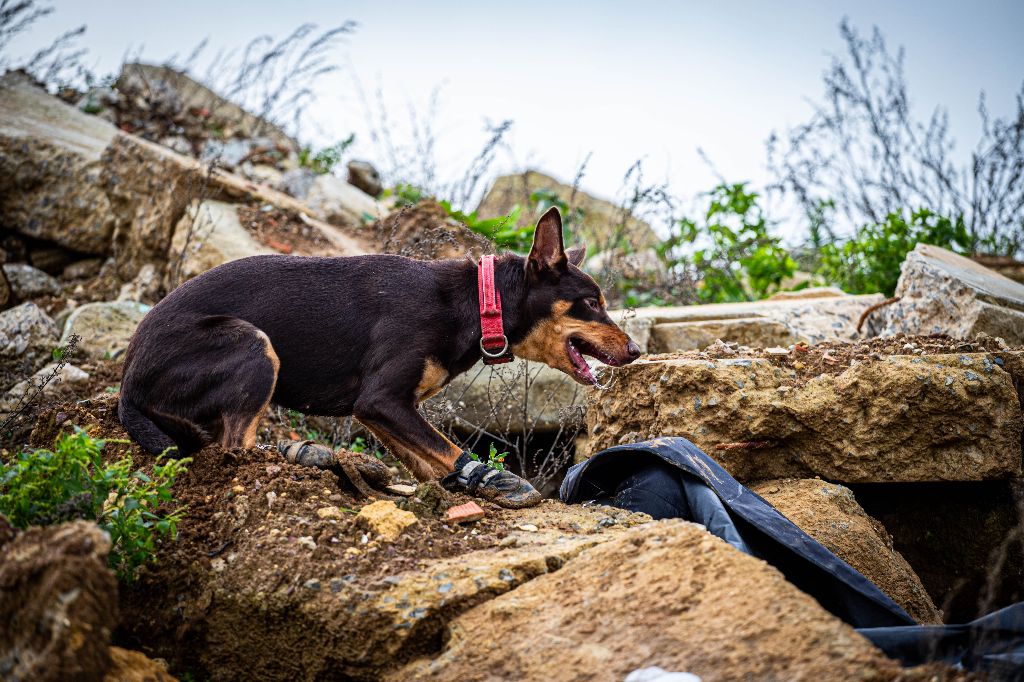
(943,293)
(898,418)
(208,235)
(50,168)
(667,594)
(58,604)
(829,513)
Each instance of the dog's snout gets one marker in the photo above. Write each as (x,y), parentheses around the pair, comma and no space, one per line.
(632,351)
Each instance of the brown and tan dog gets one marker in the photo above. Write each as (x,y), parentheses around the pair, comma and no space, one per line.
(369,336)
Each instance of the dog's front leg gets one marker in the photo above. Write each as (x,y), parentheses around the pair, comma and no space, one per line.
(419,446)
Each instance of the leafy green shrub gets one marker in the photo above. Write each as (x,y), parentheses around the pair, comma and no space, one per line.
(503,230)
(325,160)
(42,487)
(742,262)
(870,261)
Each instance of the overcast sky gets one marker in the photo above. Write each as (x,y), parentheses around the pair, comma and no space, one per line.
(620,80)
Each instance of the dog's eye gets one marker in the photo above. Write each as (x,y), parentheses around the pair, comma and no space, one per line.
(592,304)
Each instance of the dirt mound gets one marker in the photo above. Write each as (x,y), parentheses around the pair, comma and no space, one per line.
(58,604)
(668,594)
(829,513)
(283,230)
(426,231)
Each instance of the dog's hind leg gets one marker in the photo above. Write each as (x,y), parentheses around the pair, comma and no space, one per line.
(246,398)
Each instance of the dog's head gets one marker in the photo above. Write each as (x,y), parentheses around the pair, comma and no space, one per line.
(565,310)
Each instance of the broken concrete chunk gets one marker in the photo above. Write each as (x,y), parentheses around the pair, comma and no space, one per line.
(385,520)
(898,418)
(943,293)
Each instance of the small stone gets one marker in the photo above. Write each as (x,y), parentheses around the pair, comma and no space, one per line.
(273,470)
(385,519)
(353,551)
(238,489)
(776,350)
(465,513)
(528,527)
(446,588)
(271,498)
(312,584)
(307,541)
(330,513)
(401,489)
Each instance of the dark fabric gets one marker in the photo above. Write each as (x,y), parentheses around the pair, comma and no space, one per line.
(765,532)
(994,643)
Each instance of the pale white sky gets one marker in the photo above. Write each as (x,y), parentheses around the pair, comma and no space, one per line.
(620,80)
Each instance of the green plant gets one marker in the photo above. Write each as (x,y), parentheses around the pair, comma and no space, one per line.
(870,261)
(743,261)
(43,487)
(359,444)
(503,231)
(406,194)
(495,459)
(325,160)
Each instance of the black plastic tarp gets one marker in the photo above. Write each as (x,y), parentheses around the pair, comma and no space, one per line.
(671,477)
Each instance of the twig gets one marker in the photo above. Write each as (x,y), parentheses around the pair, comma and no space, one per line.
(747,445)
(866,313)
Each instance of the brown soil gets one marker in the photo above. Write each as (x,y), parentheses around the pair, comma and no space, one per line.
(283,231)
(833,357)
(226,495)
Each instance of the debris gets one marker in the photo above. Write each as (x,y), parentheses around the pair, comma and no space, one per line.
(465,513)
(776,350)
(402,489)
(385,519)
(528,527)
(330,513)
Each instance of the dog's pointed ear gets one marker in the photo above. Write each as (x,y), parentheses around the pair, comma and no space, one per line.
(576,254)
(548,254)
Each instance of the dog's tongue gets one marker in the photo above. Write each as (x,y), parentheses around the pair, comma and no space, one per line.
(582,364)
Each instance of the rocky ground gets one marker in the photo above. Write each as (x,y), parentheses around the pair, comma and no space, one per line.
(890,431)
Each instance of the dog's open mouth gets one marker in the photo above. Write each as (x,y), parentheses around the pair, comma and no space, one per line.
(577,349)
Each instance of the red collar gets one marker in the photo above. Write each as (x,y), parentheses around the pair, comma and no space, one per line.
(493,342)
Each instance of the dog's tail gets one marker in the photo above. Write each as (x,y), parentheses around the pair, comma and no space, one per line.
(172,432)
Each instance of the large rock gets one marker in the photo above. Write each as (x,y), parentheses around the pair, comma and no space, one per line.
(337,202)
(604,225)
(104,328)
(829,513)
(171,92)
(756,332)
(208,235)
(760,324)
(29,282)
(58,604)
(667,594)
(515,398)
(50,167)
(28,336)
(898,418)
(943,293)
